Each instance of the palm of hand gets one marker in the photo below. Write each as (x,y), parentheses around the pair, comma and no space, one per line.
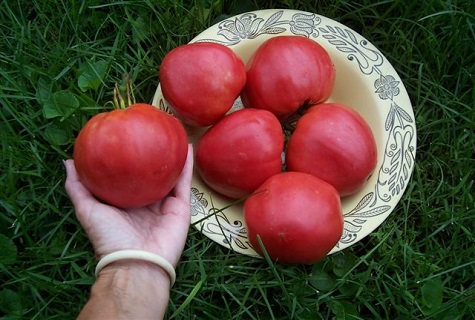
(150,229)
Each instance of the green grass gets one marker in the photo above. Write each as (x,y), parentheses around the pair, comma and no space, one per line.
(420,263)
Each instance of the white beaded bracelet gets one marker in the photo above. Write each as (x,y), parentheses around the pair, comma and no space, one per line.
(137,255)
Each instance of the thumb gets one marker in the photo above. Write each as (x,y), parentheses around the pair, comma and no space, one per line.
(81,198)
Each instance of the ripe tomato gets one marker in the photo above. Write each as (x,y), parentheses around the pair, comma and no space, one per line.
(131,157)
(201,80)
(335,143)
(297,216)
(287,72)
(237,154)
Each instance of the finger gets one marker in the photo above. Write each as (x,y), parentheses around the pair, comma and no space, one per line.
(183,186)
(76,191)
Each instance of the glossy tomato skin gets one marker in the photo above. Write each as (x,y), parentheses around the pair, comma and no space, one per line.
(131,157)
(200,81)
(297,216)
(237,154)
(287,72)
(336,144)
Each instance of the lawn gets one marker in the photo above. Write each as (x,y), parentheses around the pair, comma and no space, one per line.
(59,61)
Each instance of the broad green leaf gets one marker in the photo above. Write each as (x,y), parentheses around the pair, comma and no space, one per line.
(10,303)
(321,280)
(92,75)
(8,250)
(432,294)
(50,111)
(344,310)
(60,104)
(342,263)
(349,289)
(57,135)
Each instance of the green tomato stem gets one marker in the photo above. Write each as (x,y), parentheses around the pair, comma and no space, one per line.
(119,101)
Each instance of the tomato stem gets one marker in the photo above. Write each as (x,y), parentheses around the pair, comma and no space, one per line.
(119,100)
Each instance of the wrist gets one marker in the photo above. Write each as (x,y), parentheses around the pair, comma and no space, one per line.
(129,289)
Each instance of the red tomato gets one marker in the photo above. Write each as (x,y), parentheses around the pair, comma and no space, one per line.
(333,142)
(237,154)
(297,216)
(287,72)
(201,80)
(131,157)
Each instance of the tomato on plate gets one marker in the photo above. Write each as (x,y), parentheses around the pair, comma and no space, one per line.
(131,157)
(336,144)
(286,73)
(200,81)
(297,216)
(242,150)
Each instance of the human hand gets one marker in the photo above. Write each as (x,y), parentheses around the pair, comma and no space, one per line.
(159,228)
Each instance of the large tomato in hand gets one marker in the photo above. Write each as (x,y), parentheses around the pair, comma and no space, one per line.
(297,216)
(287,72)
(334,143)
(131,157)
(237,154)
(200,81)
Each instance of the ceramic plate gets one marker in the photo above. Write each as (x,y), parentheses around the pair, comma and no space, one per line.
(365,80)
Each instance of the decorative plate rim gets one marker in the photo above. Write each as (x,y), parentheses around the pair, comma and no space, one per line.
(211,215)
